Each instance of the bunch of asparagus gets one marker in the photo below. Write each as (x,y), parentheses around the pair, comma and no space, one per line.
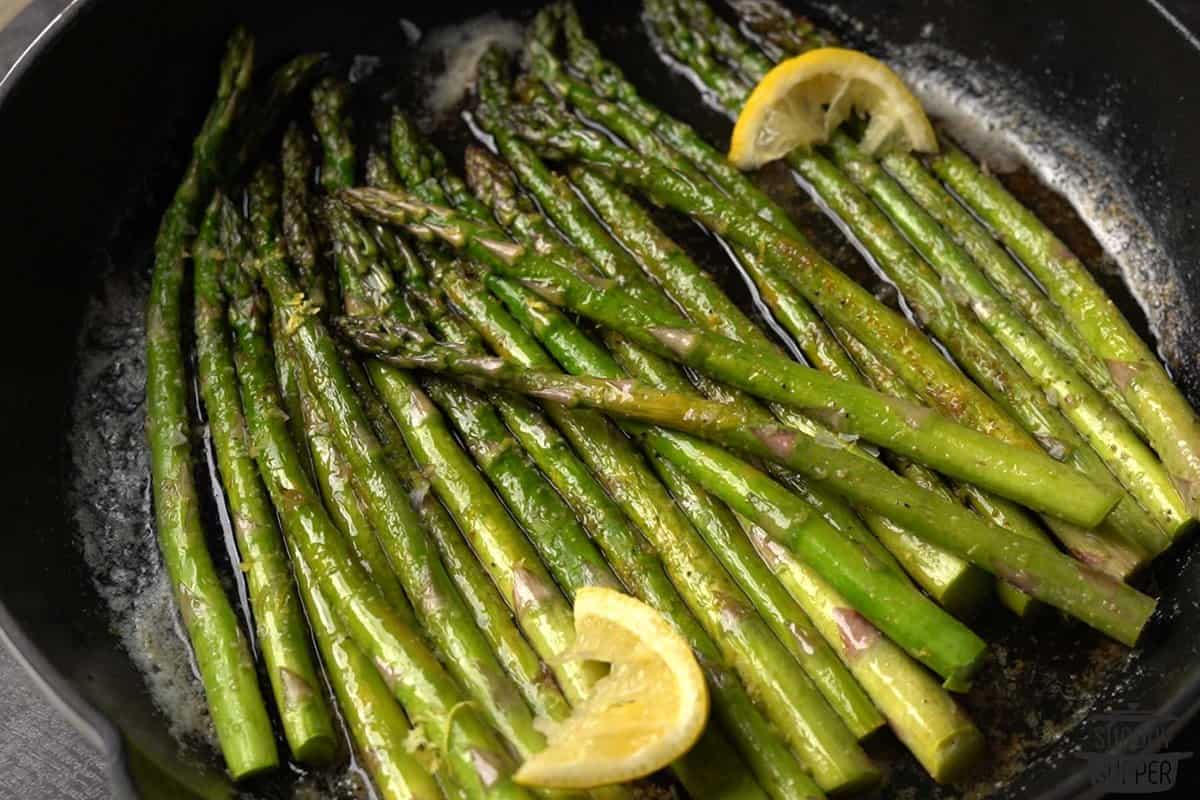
(440,407)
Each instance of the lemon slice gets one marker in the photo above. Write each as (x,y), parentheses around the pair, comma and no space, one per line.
(645,713)
(804,99)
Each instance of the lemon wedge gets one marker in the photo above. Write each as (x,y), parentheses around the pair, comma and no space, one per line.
(804,99)
(649,710)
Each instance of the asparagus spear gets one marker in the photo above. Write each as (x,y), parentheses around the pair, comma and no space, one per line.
(226,669)
(618,106)
(948,447)
(1036,567)
(299,235)
(1105,431)
(979,354)
(922,714)
(475,755)
(413,557)
(1165,414)
(638,565)
(338,165)
(377,724)
(279,620)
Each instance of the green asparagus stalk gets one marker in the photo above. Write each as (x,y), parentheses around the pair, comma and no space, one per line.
(924,716)
(218,644)
(299,235)
(979,354)
(636,563)
(338,165)
(1036,567)
(476,758)
(1165,414)
(413,557)
(282,632)
(377,724)
(916,432)
(1106,433)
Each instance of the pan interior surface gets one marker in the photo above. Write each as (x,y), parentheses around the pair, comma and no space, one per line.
(90,172)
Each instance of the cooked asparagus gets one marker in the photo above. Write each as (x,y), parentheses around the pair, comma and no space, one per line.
(221,649)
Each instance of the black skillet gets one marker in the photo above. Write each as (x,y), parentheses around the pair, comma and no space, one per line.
(94,128)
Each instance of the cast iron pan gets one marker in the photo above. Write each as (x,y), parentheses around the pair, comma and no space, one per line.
(95,124)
